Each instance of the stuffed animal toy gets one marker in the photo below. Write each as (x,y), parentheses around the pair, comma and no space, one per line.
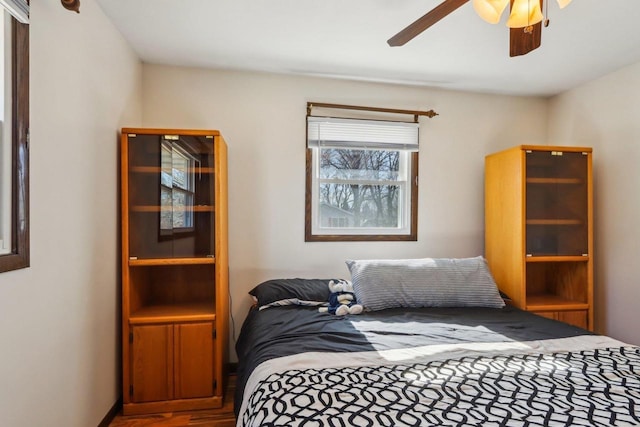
(342,300)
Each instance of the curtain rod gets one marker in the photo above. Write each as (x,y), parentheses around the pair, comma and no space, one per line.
(414,113)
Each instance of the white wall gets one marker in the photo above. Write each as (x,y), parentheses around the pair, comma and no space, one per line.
(59,319)
(262,117)
(605,114)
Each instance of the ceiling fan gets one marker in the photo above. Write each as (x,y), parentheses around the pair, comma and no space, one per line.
(525,21)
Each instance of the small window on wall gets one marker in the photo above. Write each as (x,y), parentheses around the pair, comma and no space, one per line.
(361,180)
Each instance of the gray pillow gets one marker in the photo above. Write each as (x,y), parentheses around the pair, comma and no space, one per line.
(426,282)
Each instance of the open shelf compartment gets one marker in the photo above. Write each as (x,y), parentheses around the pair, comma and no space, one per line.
(562,285)
(173,292)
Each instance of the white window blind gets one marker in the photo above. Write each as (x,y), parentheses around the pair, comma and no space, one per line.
(363,134)
(19,9)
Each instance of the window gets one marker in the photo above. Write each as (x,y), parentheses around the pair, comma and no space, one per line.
(361,180)
(14,152)
(177,187)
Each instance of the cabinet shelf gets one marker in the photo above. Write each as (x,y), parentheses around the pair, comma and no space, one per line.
(554,221)
(158,208)
(554,181)
(548,302)
(164,313)
(158,169)
(133,262)
(555,258)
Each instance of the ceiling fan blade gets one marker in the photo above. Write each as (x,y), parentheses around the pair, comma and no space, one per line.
(521,42)
(427,20)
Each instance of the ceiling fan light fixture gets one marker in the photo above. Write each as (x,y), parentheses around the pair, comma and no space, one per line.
(525,13)
(563,3)
(490,10)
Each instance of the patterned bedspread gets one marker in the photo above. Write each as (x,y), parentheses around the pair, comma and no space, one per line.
(596,387)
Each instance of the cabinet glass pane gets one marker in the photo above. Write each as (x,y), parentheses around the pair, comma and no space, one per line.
(556,203)
(171,201)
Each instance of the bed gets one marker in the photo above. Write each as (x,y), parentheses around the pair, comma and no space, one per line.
(416,362)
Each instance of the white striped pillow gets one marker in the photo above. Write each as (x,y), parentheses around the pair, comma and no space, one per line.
(427,282)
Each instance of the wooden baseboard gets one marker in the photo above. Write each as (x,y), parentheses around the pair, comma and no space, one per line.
(111,414)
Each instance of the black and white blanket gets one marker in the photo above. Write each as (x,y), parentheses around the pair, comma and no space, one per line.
(432,367)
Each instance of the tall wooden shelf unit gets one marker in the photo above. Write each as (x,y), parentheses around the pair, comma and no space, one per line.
(174,269)
(539,229)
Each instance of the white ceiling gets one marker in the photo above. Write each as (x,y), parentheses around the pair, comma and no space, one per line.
(348,39)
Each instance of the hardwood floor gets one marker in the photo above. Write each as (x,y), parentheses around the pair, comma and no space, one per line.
(222,417)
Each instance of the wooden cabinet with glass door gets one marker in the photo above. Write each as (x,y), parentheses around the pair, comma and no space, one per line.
(174,269)
(538,229)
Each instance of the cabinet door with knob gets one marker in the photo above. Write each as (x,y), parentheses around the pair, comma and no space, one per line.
(172,361)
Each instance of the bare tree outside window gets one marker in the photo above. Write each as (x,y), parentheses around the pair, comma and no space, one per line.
(369,196)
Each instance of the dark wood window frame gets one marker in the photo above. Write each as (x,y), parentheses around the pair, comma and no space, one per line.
(19,255)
